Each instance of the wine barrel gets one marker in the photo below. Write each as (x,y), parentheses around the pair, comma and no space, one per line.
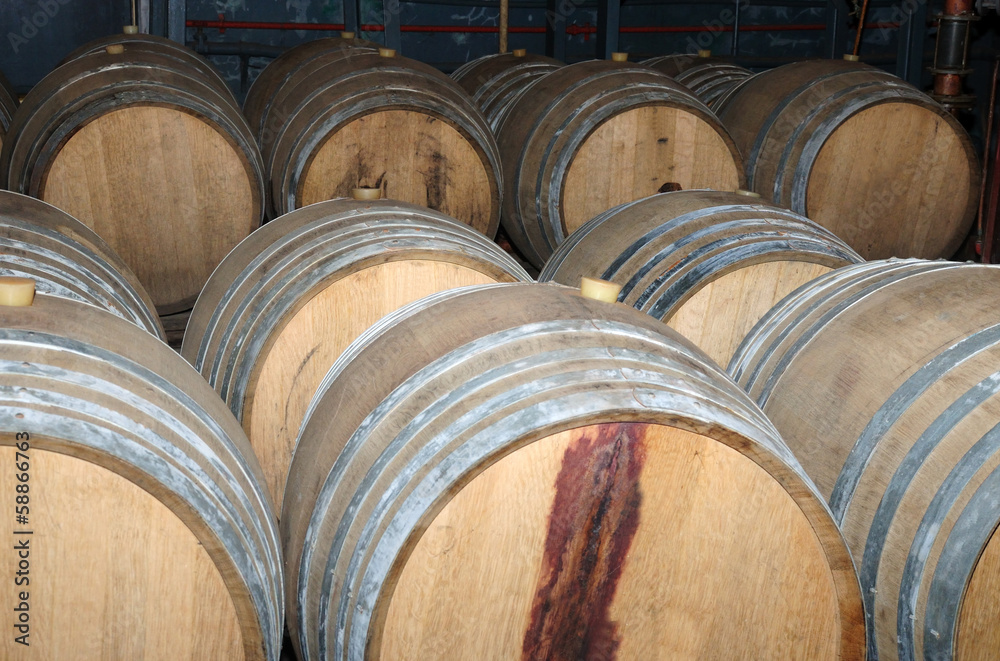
(711,80)
(161,46)
(496,81)
(374,120)
(143,528)
(882,378)
(65,258)
(261,93)
(8,106)
(861,152)
(150,154)
(572,472)
(708,263)
(288,300)
(677,63)
(593,135)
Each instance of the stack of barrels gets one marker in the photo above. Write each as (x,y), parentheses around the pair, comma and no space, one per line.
(379,423)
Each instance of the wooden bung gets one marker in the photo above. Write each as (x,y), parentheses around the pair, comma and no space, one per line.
(554,479)
(16,292)
(495,82)
(599,290)
(850,57)
(859,151)
(703,52)
(366,193)
(347,35)
(143,494)
(187,183)
(65,258)
(332,117)
(619,57)
(130,29)
(285,303)
(709,264)
(882,378)
(563,167)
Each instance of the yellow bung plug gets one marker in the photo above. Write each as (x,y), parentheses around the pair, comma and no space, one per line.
(366,193)
(347,35)
(520,52)
(851,58)
(16,292)
(704,52)
(599,290)
(619,57)
(386,52)
(747,193)
(131,29)
(115,49)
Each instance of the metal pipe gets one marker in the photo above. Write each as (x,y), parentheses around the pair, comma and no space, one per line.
(951,55)
(574,29)
(504,12)
(987,225)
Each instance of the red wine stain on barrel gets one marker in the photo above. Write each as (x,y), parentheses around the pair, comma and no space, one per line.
(594,517)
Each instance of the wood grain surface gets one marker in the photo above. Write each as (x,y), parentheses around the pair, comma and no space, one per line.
(166,190)
(617,541)
(438,169)
(112,573)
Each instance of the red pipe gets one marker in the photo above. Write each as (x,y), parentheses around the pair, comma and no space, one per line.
(222,24)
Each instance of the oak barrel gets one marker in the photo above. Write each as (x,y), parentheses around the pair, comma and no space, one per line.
(287,301)
(861,152)
(530,474)
(708,263)
(882,377)
(261,94)
(677,63)
(496,81)
(593,135)
(144,149)
(65,258)
(8,105)
(352,119)
(160,46)
(144,531)
(711,80)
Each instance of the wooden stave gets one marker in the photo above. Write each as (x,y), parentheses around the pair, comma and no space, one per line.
(676,64)
(261,94)
(632,245)
(930,599)
(781,118)
(711,80)
(537,238)
(495,81)
(84,361)
(86,88)
(159,45)
(234,320)
(295,517)
(67,259)
(353,86)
